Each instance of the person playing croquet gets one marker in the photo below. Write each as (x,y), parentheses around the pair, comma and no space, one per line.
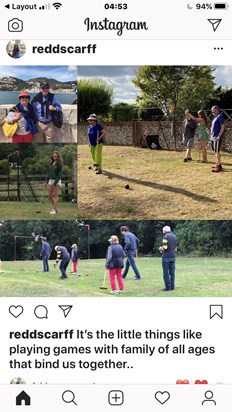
(115,263)
(131,248)
(74,258)
(168,250)
(63,256)
(202,122)
(96,136)
(189,128)
(45,253)
(217,134)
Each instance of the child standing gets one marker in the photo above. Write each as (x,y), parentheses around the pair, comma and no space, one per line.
(74,258)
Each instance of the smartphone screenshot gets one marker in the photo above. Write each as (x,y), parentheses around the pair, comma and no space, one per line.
(115,205)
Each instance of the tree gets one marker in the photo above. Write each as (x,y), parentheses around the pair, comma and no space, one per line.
(174,87)
(94,96)
(122,112)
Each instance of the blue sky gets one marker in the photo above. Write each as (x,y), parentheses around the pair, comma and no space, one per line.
(119,77)
(61,73)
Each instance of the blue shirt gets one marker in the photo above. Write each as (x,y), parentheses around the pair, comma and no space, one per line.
(46,250)
(217,122)
(93,133)
(37,107)
(131,243)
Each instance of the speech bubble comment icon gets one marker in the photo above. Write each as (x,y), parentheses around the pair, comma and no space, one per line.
(41,312)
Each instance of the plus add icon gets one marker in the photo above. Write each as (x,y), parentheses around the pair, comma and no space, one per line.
(116,398)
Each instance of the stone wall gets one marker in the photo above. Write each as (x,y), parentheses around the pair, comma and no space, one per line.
(131,133)
(68,132)
(117,133)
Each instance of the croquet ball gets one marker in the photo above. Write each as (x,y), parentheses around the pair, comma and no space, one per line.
(37,271)
(87,274)
(127,187)
(22,269)
(74,200)
(89,167)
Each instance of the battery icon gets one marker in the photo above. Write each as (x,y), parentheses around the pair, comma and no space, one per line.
(221,6)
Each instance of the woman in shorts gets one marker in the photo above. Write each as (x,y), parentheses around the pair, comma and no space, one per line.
(202,122)
(54,180)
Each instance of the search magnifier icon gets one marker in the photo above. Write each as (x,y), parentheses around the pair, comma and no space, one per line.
(68,397)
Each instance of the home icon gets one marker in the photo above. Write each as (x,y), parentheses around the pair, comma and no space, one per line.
(23,399)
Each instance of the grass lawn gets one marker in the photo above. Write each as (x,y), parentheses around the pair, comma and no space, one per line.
(26,210)
(25,278)
(161,185)
(195,277)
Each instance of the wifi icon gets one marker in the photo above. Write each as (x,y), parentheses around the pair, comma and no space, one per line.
(57,5)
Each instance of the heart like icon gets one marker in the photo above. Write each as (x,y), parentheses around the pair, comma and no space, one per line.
(16,311)
(184,382)
(162,397)
(198,382)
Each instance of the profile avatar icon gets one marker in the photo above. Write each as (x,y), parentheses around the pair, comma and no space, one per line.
(18,381)
(16,49)
(209,396)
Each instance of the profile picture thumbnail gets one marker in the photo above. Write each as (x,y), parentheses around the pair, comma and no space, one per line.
(16,49)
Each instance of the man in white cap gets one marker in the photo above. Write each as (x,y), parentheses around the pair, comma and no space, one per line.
(168,250)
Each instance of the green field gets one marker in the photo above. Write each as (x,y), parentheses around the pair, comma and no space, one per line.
(195,277)
(26,210)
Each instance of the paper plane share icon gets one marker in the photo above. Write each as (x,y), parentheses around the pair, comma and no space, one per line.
(66,309)
(215,23)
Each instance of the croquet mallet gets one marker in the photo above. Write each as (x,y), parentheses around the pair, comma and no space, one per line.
(104,287)
(41,200)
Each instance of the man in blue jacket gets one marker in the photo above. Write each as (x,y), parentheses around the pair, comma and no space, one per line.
(63,256)
(44,104)
(168,250)
(45,253)
(131,247)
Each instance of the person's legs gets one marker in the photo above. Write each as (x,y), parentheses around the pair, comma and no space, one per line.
(99,155)
(127,267)
(47,264)
(172,267)
(63,266)
(50,193)
(165,265)
(119,278)
(74,264)
(92,151)
(133,265)
(55,196)
(44,258)
(112,273)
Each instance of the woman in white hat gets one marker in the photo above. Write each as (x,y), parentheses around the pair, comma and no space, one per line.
(96,135)
(23,114)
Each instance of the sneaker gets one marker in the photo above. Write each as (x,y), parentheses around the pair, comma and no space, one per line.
(217,169)
(99,172)
(121,291)
(53,212)
(189,158)
(136,278)
(218,166)
(113,292)
(165,290)
(185,160)
(96,165)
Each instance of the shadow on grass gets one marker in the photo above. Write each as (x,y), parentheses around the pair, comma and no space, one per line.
(166,188)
